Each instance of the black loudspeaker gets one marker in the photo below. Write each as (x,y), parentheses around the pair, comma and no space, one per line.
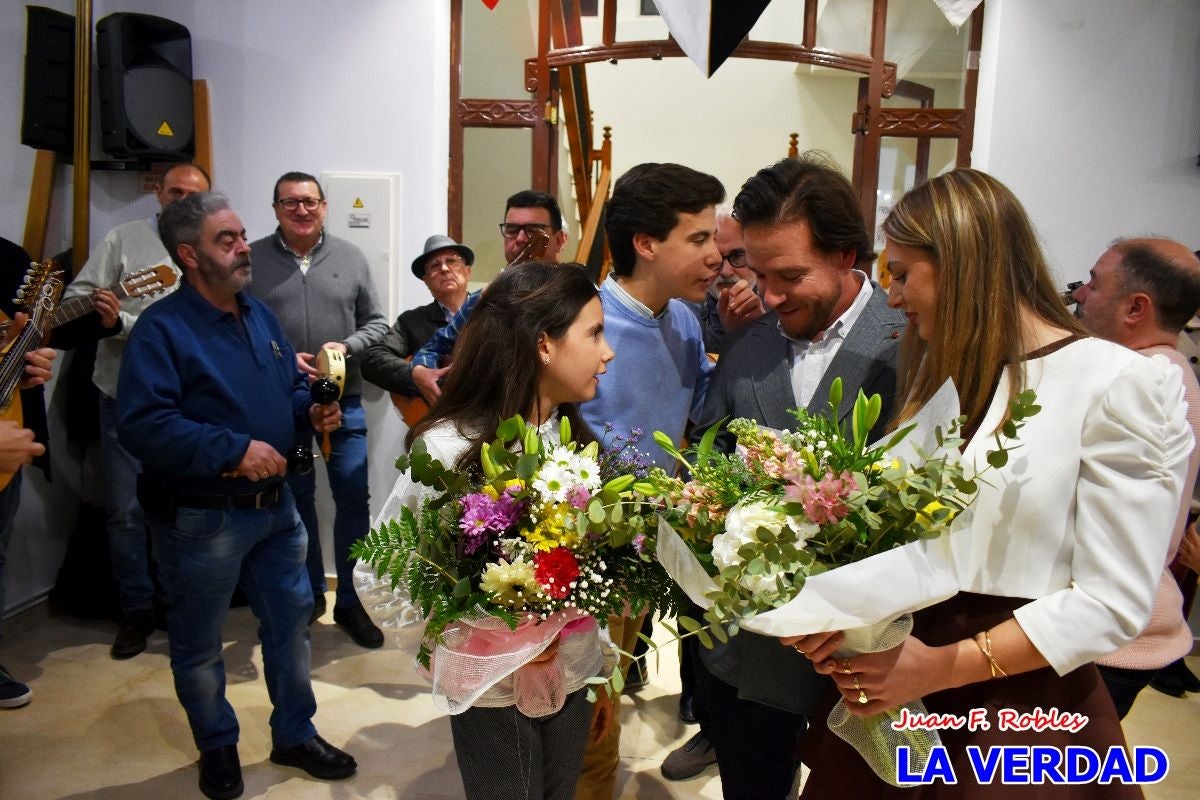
(48,111)
(145,87)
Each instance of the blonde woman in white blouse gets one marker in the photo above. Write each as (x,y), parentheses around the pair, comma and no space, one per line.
(1058,558)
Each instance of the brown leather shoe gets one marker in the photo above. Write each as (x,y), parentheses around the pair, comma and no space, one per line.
(689,760)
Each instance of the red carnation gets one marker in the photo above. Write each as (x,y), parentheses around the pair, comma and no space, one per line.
(554,570)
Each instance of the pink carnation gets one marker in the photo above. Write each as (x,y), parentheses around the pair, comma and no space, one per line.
(824,501)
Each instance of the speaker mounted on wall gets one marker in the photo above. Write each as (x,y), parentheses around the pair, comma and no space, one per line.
(48,108)
(145,87)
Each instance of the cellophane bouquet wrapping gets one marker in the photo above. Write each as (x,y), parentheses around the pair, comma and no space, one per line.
(545,539)
(812,529)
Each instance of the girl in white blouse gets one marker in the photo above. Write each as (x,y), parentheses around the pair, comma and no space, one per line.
(1059,555)
(535,347)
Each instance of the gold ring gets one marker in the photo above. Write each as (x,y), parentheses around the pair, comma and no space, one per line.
(856,686)
(862,698)
(796,647)
(845,666)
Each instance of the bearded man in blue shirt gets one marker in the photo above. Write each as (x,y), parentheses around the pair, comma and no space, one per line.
(209,397)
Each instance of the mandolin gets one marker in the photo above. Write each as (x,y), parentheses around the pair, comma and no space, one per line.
(534,248)
(39,294)
(412,409)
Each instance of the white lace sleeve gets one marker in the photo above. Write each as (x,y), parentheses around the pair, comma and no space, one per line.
(392,609)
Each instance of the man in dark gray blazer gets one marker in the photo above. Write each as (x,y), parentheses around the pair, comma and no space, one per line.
(809,249)
(445,268)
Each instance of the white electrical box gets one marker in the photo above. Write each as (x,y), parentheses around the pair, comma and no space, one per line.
(364,208)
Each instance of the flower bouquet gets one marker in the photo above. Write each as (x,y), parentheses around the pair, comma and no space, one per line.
(537,544)
(812,529)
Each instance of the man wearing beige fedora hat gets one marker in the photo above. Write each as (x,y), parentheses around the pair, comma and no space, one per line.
(445,267)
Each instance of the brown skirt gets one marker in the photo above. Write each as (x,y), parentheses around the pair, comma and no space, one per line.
(838,771)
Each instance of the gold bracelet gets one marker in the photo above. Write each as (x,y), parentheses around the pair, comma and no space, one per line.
(985,647)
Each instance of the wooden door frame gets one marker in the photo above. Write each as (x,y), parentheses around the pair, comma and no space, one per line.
(869,123)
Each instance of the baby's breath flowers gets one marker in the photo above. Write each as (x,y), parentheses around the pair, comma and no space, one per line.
(542,526)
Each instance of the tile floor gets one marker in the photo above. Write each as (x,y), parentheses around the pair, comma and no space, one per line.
(113,730)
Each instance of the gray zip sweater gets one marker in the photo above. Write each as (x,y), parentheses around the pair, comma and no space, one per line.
(334,302)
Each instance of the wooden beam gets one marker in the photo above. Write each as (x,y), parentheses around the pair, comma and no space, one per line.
(591,226)
(657,49)
(497,113)
(81,201)
(202,114)
(454,188)
(809,37)
(37,215)
(547,101)
(609,34)
(867,164)
(966,142)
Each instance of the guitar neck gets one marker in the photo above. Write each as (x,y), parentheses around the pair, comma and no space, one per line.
(13,367)
(76,307)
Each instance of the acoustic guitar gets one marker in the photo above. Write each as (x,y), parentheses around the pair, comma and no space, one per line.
(143,283)
(38,294)
(412,409)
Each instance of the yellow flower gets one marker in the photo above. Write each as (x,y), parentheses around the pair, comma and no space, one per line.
(926,514)
(516,483)
(552,529)
(510,584)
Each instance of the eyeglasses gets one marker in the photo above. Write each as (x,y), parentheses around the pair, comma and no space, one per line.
(292,203)
(449,263)
(511,230)
(736,258)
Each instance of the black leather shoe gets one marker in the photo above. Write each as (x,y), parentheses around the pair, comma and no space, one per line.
(357,623)
(131,636)
(320,604)
(1168,686)
(318,758)
(221,773)
(687,713)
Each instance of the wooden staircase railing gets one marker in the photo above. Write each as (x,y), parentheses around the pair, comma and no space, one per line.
(591,168)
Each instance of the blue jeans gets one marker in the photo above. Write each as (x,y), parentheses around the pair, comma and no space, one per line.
(347,471)
(127,536)
(203,554)
(10,498)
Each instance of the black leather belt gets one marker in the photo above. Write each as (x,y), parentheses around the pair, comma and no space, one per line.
(264,499)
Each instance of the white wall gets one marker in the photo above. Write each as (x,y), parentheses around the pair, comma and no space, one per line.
(303,84)
(1090,112)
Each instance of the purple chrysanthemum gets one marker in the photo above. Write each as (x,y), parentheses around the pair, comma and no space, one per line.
(479,518)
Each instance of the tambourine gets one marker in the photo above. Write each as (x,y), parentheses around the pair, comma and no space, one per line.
(328,387)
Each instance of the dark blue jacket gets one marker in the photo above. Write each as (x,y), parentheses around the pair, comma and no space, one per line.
(197,384)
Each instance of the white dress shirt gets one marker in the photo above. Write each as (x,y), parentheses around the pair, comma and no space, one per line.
(810,359)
